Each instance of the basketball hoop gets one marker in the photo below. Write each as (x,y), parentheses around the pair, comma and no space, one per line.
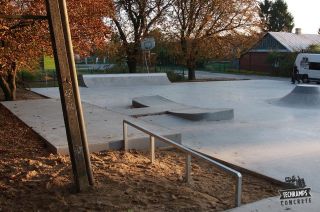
(146,45)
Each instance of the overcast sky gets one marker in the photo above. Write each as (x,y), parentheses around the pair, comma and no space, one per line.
(306,14)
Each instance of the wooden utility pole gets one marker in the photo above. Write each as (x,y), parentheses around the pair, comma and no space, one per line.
(69,93)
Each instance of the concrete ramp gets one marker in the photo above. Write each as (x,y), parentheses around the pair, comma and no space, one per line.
(303,96)
(151,105)
(154,101)
(123,80)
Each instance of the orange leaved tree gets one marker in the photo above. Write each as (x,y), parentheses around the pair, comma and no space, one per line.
(201,26)
(23,41)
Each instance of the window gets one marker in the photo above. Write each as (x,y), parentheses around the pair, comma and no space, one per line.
(304,63)
(314,66)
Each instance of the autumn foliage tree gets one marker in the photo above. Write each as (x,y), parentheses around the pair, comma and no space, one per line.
(200,25)
(18,45)
(133,20)
(23,41)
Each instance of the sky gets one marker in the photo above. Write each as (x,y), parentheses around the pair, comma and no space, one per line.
(306,15)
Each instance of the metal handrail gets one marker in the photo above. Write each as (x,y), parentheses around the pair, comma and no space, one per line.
(189,153)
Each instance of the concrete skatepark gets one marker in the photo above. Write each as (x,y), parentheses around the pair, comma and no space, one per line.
(269,132)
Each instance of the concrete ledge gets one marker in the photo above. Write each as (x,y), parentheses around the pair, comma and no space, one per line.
(123,80)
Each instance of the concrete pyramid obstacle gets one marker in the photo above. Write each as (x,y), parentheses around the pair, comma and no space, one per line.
(158,104)
(302,96)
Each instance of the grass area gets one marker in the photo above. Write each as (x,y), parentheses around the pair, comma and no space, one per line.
(243,72)
(226,67)
(219,66)
(41,84)
(48,63)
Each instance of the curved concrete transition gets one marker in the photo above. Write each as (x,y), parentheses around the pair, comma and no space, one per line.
(198,114)
(303,96)
(123,80)
(150,105)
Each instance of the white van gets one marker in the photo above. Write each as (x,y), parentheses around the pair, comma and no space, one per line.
(308,66)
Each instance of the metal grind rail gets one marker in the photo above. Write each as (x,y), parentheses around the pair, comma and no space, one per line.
(188,152)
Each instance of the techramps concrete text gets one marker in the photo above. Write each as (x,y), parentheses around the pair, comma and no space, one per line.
(122,80)
(158,104)
(302,96)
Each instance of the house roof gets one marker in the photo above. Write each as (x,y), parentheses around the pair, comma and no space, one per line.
(294,42)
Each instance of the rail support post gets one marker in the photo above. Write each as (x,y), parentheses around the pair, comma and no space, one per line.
(188,169)
(125,136)
(238,191)
(152,149)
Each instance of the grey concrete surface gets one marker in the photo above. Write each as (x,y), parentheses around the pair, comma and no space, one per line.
(273,140)
(104,128)
(112,80)
(273,204)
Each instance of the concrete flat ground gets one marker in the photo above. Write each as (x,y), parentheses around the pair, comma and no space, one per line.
(272,140)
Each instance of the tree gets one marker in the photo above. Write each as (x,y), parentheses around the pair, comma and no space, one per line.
(314,48)
(134,19)
(265,10)
(17,48)
(24,41)
(275,15)
(282,63)
(202,26)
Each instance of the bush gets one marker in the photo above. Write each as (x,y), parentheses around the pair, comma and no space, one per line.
(175,77)
(315,48)
(282,63)
(27,75)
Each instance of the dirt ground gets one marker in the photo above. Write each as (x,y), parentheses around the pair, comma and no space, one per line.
(32,179)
